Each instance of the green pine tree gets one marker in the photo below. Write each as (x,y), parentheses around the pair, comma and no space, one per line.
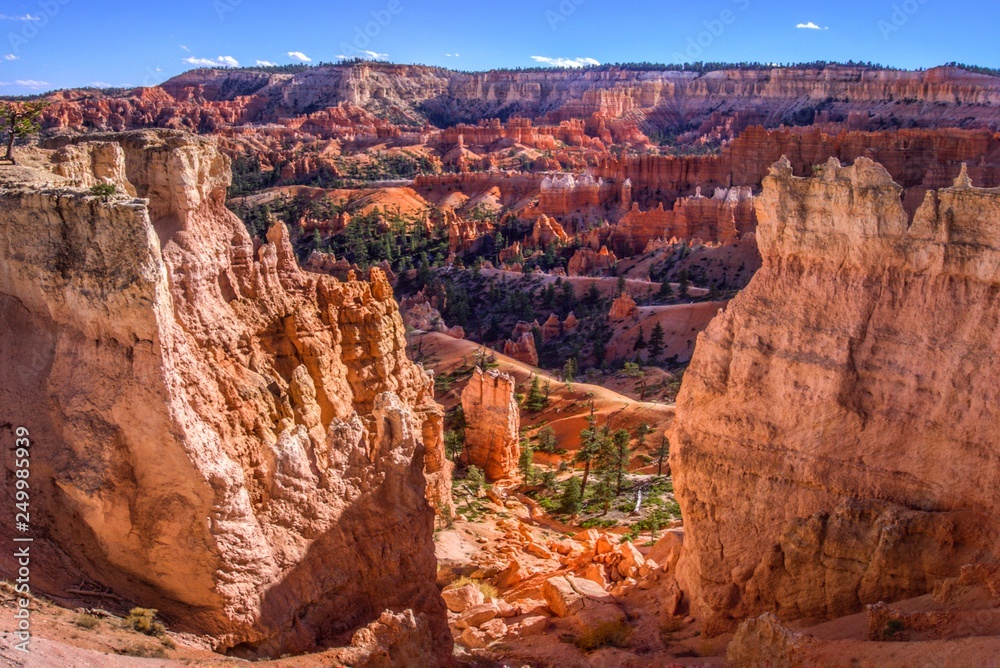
(656,339)
(571,500)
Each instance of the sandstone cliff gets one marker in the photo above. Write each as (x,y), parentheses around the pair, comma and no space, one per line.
(836,433)
(216,433)
(317,97)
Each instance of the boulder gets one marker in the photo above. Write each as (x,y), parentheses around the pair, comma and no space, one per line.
(460,599)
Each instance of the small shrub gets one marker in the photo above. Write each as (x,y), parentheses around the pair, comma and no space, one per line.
(893,628)
(85,621)
(142,620)
(608,634)
(104,190)
(488,590)
(144,651)
(475,479)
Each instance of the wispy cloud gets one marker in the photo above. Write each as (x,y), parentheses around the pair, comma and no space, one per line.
(31,83)
(184,48)
(452,55)
(100,84)
(566,62)
(265,63)
(221,61)
(299,56)
(375,55)
(809,26)
(19,17)
(11,56)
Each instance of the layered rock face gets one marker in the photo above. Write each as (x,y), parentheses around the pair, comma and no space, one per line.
(717,219)
(316,97)
(216,433)
(836,433)
(493,422)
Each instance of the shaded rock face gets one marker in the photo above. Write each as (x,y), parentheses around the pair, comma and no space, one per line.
(836,434)
(522,349)
(493,422)
(216,433)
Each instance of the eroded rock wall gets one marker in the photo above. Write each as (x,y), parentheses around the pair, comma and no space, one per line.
(836,433)
(216,433)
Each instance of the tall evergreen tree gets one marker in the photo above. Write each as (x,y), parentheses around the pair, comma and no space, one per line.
(656,339)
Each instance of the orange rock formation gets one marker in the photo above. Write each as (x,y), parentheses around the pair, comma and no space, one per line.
(493,422)
(216,433)
(836,431)
(588,262)
(522,348)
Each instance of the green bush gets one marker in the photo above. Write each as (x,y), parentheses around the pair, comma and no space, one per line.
(475,479)
(104,190)
(571,500)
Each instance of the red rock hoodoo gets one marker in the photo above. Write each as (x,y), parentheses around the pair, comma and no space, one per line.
(493,422)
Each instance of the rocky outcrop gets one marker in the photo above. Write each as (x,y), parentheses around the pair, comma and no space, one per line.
(622,308)
(836,433)
(551,328)
(546,232)
(588,262)
(420,315)
(216,433)
(522,348)
(717,219)
(493,423)
(343,99)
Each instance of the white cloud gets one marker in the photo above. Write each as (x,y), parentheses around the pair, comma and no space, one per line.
(221,61)
(452,55)
(374,55)
(299,56)
(809,26)
(184,48)
(266,63)
(11,56)
(31,83)
(19,17)
(566,62)
(100,84)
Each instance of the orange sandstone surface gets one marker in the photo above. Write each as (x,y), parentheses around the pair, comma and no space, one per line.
(835,440)
(215,433)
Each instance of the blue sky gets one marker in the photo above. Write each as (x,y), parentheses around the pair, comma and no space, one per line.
(46,44)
